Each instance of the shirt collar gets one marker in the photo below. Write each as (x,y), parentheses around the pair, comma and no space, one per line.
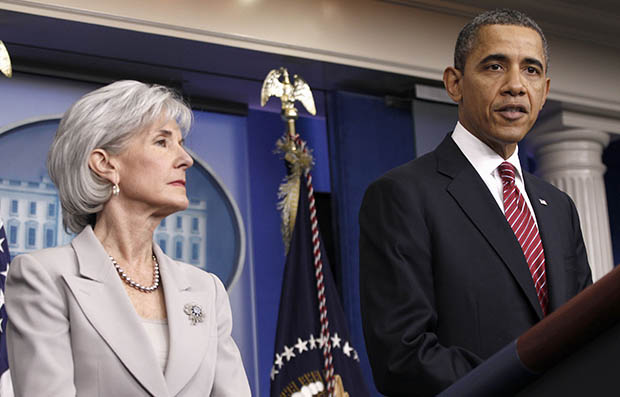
(481,156)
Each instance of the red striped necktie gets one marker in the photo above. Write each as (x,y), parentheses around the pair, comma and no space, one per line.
(525,229)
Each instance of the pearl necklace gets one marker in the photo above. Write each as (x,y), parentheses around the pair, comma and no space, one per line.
(134,284)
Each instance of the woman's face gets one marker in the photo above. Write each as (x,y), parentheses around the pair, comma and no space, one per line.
(152,170)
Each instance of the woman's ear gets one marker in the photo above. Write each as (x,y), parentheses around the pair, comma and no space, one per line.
(452,80)
(102,164)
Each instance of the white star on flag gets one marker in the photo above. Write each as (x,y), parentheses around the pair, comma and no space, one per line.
(312,342)
(301,345)
(273,373)
(279,362)
(336,340)
(1,241)
(347,349)
(288,353)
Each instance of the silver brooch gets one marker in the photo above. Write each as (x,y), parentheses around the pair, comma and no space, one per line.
(194,312)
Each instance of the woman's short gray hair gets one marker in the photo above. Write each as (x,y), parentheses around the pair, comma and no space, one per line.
(104,119)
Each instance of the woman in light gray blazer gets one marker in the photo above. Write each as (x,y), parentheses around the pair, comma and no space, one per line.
(111,314)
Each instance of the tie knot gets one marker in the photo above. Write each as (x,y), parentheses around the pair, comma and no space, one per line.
(507,172)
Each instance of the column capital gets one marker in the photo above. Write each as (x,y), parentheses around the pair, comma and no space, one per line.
(561,116)
(538,139)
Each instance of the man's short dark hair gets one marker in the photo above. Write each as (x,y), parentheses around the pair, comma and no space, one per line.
(504,16)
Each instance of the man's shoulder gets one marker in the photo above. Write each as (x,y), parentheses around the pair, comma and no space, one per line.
(542,186)
(547,192)
(408,182)
(423,167)
(429,167)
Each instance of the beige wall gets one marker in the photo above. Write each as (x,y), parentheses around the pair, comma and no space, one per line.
(366,33)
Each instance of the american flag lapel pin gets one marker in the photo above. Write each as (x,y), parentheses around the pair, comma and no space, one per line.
(542,201)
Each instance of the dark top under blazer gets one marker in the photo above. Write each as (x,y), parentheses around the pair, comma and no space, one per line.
(444,282)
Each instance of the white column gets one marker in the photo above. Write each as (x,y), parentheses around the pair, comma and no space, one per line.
(571,159)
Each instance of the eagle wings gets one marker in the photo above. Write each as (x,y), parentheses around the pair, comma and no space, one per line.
(287,92)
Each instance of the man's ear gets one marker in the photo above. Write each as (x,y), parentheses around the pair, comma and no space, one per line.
(102,164)
(547,86)
(452,80)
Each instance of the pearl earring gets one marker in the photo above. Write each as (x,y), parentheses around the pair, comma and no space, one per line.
(115,189)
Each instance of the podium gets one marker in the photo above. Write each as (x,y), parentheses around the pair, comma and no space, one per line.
(574,351)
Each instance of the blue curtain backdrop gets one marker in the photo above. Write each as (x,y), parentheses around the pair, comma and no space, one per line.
(366,138)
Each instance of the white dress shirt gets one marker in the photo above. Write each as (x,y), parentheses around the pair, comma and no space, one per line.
(485,161)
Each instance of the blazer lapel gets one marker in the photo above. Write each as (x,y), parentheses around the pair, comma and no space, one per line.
(547,226)
(474,198)
(188,342)
(105,303)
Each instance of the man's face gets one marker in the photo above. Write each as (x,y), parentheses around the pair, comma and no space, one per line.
(503,86)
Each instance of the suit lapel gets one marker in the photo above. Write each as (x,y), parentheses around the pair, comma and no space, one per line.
(474,198)
(102,298)
(547,226)
(188,343)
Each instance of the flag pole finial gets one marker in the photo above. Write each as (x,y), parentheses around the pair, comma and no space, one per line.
(298,158)
(288,93)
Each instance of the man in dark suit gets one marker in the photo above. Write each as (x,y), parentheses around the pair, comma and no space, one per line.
(460,250)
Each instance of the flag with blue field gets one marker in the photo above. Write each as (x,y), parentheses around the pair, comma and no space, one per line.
(299,368)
